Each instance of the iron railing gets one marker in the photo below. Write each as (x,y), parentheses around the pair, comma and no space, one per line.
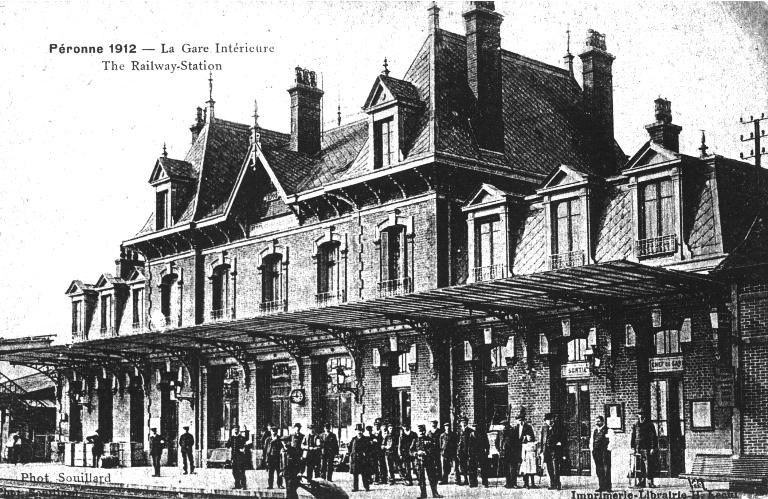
(273,306)
(395,287)
(108,332)
(567,259)
(329,298)
(653,246)
(222,314)
(491,272)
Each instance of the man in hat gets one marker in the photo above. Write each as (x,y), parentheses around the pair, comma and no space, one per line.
(645,443)
(434,433)
(238,443)
(358,453)
(390,447)
(448,446)
(467,454)
(519,431)
(273,451)
(379,461)
(312,453)
(601,446)
(329,451)
(552,447)
(156,446)
(98,447)
(407,436)
(186,443)
(263,443)
(423,452)
(294,462)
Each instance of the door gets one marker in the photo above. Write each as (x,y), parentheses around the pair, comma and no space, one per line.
(403,407)
(667,416)
(169,424)
(137,413)
(578,423)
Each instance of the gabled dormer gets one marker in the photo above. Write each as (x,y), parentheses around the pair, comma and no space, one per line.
(655,182)
(566,195)
(489,228)
(112,292)
(83,298)
(393,107)
(174,183)
(136,283)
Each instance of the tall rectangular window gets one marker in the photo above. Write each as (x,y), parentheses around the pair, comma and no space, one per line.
(577,349)
(77,316)
(567,226)
(394,262)
(490,249)
(138,307)
(161,210)
(106,313)
(657,209)
(384,146)
(667,342)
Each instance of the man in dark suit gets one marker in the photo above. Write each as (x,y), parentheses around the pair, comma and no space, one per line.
(406,439)
(504,447)
(98,447)
(519,431)
(156,446)
(378,459)
(186,444)
(329,451)
(390,447)
(312,453)
(273,448)
(645,443)
(434,433)
(467,452)
(293,463)
(448,446)
(552,447)
(358,456)
(238,443)
(601,445)
(423,452)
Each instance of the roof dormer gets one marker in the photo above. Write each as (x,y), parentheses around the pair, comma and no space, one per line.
(174,183)
(393,107)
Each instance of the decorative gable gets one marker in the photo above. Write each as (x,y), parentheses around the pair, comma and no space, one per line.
(486,195)
(563,177)
(649,156)
(159,174)
(77,287)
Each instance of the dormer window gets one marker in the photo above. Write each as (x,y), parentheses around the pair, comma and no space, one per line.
(77,317)
(384,149)
(137,307)
(657,219)
(490,249)
(567,245)
(161,210)
(107,315)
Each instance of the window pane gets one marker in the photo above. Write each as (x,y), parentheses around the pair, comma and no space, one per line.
(667,216)
(499,244)
(486,245)
(674,341)
(575,226)
(650,223)
(659,340)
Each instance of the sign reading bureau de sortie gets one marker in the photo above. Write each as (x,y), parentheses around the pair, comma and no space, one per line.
(170,57)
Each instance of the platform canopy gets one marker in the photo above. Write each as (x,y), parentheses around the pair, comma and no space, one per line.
(533,296)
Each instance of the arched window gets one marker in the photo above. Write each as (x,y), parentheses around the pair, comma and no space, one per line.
(328,289)
(272,292)
(394,262)
(220,308)
(169,300)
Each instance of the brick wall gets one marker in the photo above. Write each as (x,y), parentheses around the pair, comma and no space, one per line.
(753,325)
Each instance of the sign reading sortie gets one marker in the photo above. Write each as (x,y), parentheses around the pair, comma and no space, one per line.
(575,370)
(665,364)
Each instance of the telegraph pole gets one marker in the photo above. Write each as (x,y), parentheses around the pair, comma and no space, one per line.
(755,137)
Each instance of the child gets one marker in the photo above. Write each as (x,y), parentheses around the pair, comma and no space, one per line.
(528,466)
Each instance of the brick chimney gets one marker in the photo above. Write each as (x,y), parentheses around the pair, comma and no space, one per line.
(598,97)
(663,132)
(128,261)
(198,125)
(483,28)
(305,112)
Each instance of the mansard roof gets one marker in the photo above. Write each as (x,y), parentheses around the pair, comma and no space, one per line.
(394,88)
(543,129)
(173,169)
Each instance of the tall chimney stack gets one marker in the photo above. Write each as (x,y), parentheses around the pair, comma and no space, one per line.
(663,132)
(198,125)
(483,28)
(598,95)
(305,112)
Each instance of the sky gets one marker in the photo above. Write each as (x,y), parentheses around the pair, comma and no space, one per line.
(79,142)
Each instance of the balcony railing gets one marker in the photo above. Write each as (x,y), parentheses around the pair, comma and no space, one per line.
(565,260)
(272,307)
(491,272)
(108,332)
(330,298)
(78,336)
(395,287)
(138,327)
(222,314)
(653,246)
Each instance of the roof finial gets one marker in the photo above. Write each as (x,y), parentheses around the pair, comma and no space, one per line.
(386,68)
(703,148)
(255,135)
(568,56)
(165,151)
(434,17)
(338,115)
(210,102)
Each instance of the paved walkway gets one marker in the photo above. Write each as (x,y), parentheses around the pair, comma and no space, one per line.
(221,479)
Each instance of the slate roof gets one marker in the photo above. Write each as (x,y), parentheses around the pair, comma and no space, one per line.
(176,168)
(541,111)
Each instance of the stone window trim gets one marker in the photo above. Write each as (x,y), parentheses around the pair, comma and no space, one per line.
(393,221)
(171,275)
(336,291)
(275,250)
(642,177)
(228,266)
(580,192)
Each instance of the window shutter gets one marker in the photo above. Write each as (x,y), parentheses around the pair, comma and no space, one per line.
(384,259)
